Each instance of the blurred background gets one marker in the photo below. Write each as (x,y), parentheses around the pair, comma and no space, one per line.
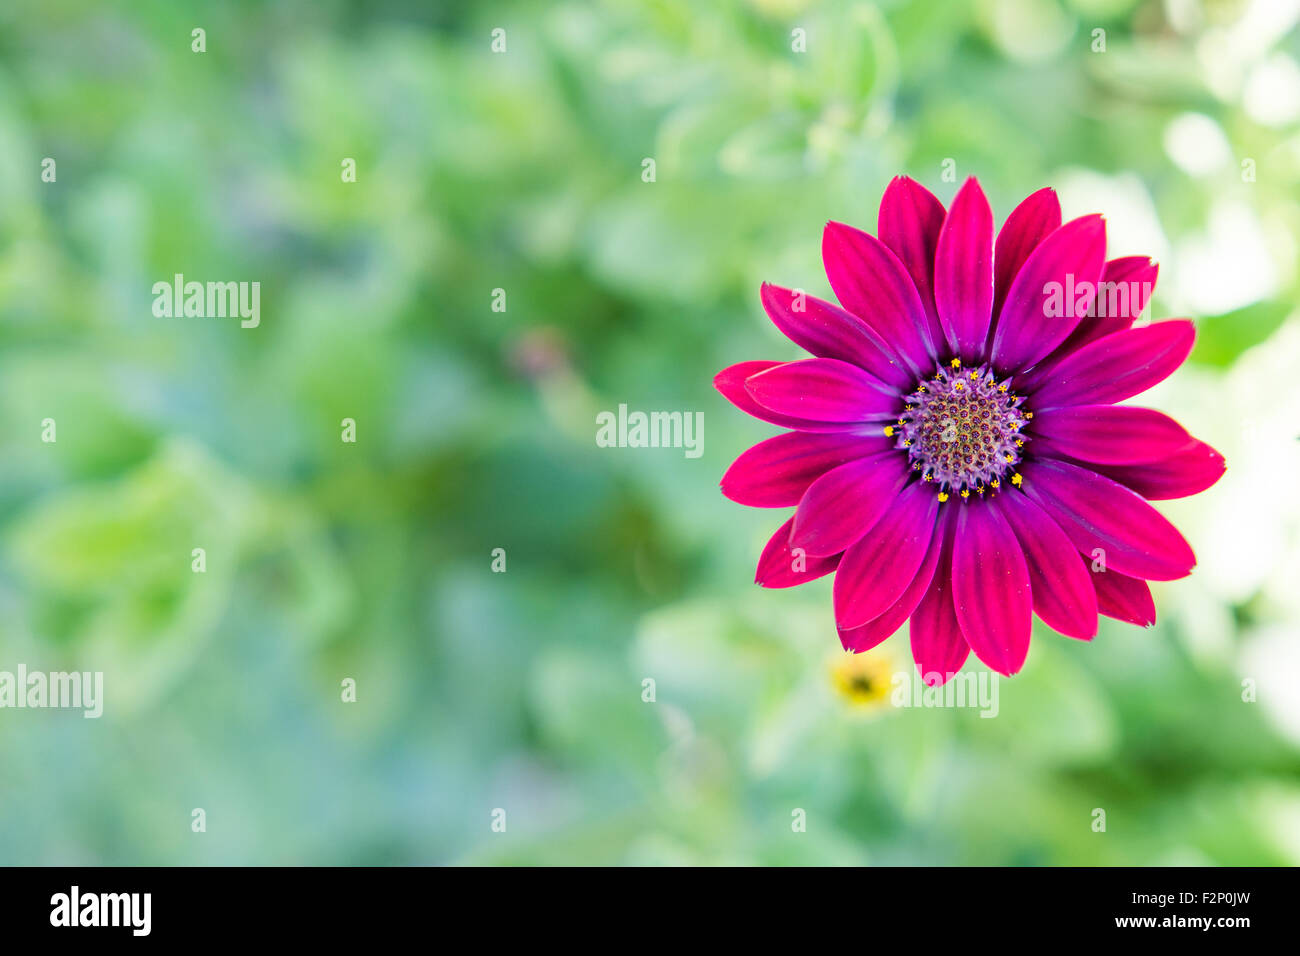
(372,561)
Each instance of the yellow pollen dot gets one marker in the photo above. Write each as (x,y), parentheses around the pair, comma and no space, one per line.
(995,483)
(958,386)
(889,431)
(974,375)
(1017,480)
(943,496)
(929,477)
(1029,414)
(1009,457)
(956,363)
(907,443)
(965,492)
(1002,387)
(1020,443)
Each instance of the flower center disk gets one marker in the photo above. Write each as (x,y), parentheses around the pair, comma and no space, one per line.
(962,430)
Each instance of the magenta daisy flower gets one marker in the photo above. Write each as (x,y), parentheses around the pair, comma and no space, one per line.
(956,455)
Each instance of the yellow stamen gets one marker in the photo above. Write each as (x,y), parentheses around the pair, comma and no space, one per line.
(965,492)
(1002,387)
(1017,480)
(956,363)
(943,496)
(995,483)
(958,386)
(889,431)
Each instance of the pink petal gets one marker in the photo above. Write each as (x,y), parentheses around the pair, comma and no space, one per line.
(909,224)
(1035,320)
(731,383)
(1113,368)
(827,331)
(1188,471)
(824,390)
(779,568)
(963,272)
(877,570)
(871,283)
(938,646)
(990,588)
(843,504)
(1108,434)
(1121,597)
(876,630)
(1096,512)
(1029,224)
(1062,591)
(775,473)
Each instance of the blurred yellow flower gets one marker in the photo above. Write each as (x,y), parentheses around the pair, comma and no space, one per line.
(863,680)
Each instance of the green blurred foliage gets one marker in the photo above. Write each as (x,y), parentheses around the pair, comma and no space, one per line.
(372,561)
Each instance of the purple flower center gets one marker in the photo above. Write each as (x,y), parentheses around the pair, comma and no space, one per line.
(962,430)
